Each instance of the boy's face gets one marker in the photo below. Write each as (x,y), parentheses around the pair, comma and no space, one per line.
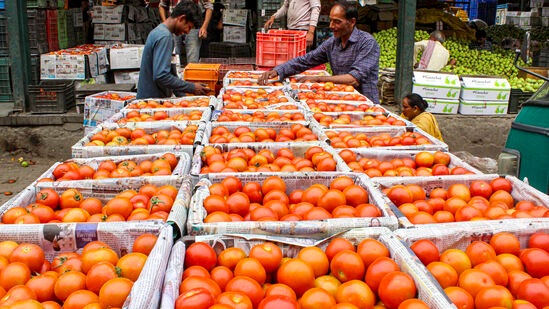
(183,26)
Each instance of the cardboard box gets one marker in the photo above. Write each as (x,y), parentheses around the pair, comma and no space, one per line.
(467,107)
(436,85)
(73,66)
(480,88)
(441,106)
(98,109)
(115,32)
(235,17)
(126,77)
(108,14)
(126,57)
(234,34)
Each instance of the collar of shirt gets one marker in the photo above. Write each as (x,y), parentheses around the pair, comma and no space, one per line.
(352,38)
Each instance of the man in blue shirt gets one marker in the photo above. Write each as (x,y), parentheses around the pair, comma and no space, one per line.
(156,77)
(353,55)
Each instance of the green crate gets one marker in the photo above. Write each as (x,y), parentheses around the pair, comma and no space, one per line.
(516,99)
(38,4)
(6,92)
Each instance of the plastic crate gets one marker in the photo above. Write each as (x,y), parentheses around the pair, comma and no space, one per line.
(214,60)
(229,50)
(5,80)
(35,70)
(516,99)
(4,46)
(51,97)
(234,67)
(37,4)
(278,46)
(51,30)
(38,41)
(201,71)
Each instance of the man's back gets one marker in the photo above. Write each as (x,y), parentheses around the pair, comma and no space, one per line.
(159,44)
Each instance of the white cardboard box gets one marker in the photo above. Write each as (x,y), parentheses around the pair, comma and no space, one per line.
(97,109)
(436,85)
(481,88)
(73,66)
(483,107)
(441,106)
(107,14)
(235,17)
(234,34)
(125,77)
(126,57)
(115,32)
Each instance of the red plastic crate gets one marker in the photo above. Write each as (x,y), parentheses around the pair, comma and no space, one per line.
(278,46)
(51,30)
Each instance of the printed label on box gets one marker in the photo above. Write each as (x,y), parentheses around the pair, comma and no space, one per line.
(115,32)
(436,85)
(234,34)
(235,17)
(442,106)
(99,32)
(479,88)
(128,57)
(483,107)
(108,14)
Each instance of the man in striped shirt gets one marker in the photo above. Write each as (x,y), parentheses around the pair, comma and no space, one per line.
(353,55)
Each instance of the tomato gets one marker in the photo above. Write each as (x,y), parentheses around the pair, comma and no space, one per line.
(235,300)
(316,258)
(247,286)
(160,202)
(396,287)
(413,303)
(252,268)
(69,282)
(30,254)
(493,296)
(377,270)
(48,197)
(230,257)
(356,292)
(535,261)
(131,264)
(277,302)
(13,274)
(195,298)
(201,254)
(144,243)
(44,213)
(70,198)
(535,291)
(42,286)
(94,256)
(118,205)
(268,254)
(316,298)
(98,274)
(479,252)
(480,188)
(501,184)
(66,261)
(460,297)
(539,240)
(426,251)
(16,294)
(336,245)
(347,265)
(79,299)
(296,274)
(114,292)
(221,275)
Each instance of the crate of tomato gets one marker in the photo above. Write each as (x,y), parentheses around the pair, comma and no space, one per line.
(82,263)
(307,204)
(255,270)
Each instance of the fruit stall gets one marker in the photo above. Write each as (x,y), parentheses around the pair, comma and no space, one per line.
(289,194)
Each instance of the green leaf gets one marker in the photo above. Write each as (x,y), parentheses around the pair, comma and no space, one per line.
(445,109)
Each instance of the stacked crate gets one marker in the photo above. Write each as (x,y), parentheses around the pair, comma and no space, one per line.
(51,30)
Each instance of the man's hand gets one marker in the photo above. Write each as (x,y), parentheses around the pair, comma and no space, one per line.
(311,79)
(203,33)
(310,38)
(264,78)
(201,89)
(269,23)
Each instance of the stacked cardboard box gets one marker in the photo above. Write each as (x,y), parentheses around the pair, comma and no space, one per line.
(440,90)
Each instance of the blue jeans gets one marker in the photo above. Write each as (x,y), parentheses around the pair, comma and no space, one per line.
(192,46)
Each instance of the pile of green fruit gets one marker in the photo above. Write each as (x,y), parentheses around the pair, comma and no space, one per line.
(499,62)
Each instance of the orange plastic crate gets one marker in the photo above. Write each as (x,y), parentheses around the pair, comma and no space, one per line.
(278,46)
(201,71)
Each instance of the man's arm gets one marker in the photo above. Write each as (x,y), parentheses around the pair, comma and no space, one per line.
(279,13)
(162,75)
(208,6)
(315,13)
(418,47)
(311,59)
(337,79)
(163,9)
